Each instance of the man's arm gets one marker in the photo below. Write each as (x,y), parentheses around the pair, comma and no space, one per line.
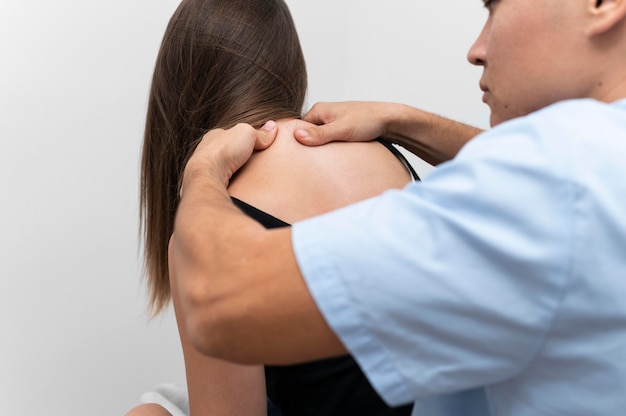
(433,138)
(238,285)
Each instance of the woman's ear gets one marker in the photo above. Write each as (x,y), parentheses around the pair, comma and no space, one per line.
(605,15)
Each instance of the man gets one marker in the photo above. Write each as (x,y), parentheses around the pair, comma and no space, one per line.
(495,286)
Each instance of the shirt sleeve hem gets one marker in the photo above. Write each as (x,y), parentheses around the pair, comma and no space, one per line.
(333,300)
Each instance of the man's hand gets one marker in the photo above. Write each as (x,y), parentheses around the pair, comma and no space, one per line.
(222,152)
(345,121)
(433,138)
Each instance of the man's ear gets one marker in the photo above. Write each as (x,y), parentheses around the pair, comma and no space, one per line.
(605,14)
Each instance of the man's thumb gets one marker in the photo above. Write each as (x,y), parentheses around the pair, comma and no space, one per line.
(267,135)
(312,136)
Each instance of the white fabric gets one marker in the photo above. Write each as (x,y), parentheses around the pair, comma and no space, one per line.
(172,397)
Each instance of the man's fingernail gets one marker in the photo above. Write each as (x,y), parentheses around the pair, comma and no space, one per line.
(302,133)
(269,126)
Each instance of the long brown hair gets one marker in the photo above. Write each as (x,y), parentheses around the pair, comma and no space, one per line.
(221,62)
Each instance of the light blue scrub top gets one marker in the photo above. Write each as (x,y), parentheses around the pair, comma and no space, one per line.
(497,285)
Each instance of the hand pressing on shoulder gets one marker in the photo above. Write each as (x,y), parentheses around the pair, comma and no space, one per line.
(433,138)
(345,121)
(221,152)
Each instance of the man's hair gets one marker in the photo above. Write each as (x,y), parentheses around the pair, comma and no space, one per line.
(221,62)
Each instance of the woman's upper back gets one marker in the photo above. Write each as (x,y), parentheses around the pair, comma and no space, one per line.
(293,182)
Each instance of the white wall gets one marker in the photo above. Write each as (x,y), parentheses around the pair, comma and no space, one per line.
(74,76)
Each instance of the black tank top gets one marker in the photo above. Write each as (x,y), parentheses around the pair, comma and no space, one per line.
(330,387)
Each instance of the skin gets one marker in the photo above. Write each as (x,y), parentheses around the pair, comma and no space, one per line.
(533,53)
(522,70)
(217,387)
(316,180)
(320,179)
(433,138)
(193,256)
(312,181)
(521,73)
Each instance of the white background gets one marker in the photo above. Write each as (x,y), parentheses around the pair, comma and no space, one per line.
(74,78)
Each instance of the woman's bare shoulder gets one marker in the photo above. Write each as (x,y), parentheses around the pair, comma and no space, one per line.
(293,182)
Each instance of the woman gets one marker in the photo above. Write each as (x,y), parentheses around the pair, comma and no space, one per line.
(224,62)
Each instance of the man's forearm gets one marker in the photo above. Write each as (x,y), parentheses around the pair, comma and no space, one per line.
(431,137)
(240,288)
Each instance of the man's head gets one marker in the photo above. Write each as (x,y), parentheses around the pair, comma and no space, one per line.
(538,52)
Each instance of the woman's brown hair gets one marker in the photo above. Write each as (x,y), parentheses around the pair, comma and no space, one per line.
(221,62)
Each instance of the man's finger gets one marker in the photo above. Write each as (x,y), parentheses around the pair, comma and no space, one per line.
(316,115)
(314,136)
(266,135)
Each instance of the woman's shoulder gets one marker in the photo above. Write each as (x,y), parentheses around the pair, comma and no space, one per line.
(292,182)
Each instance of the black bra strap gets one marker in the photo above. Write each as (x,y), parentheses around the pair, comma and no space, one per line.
(265,219)
(270,221)
(401,157)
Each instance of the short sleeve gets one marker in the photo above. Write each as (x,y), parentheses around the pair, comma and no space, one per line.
(451,283)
